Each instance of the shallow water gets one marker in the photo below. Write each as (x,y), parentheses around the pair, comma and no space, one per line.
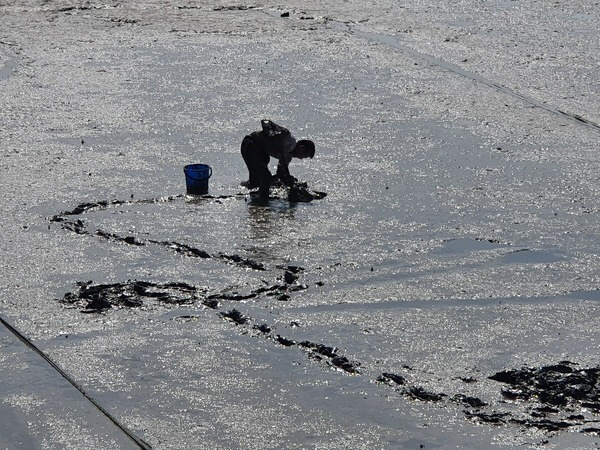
(458,237)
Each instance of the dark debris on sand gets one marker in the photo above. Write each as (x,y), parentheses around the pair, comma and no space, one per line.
(79,226)
(318,352)
(234,316)
(391,378)
(299,192)
(560,385)
(551,398)
(96,298)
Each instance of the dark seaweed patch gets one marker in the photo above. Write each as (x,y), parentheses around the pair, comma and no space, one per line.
(554,390)
(544,424)
(235,316)
(131,240)
(289,277)
(317,351)
(345,364)
(557,385)
(294,269)
(390,378)
(284,341)
(76,226)
(183,249)
(420,393)
(543,410)
(131,294)
(321,349)
(263,328)
(591,430)
(84,207)
(473,402)
(494,417)
(233,297)
(234,8)
(244,262)
(211,303)
(185,318)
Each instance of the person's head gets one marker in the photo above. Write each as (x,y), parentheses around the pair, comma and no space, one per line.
(304,149)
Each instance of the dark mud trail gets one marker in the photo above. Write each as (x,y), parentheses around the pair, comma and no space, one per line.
(554,398)
(79,226)
(300,193)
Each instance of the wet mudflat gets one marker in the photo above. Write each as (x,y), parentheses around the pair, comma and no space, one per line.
(443,294)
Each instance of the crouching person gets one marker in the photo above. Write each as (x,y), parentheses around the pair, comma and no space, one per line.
(277,142)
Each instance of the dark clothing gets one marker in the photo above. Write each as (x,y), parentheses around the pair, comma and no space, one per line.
(257,162)
(257,150)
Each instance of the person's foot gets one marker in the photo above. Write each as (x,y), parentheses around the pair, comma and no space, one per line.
(264,191)
(249,184)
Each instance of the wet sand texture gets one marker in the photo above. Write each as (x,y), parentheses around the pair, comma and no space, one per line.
(442,293)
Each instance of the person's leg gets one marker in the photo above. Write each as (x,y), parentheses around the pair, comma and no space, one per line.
(257,162)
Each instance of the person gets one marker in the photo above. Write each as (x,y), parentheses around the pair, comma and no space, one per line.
(277,142)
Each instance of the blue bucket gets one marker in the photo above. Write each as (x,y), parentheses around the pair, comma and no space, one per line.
(196,178)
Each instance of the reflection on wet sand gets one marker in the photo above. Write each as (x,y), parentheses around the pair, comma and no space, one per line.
(268,228)
(269,222)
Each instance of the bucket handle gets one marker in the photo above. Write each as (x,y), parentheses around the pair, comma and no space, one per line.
(210,171)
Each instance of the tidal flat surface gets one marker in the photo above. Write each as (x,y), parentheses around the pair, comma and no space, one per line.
(443,294)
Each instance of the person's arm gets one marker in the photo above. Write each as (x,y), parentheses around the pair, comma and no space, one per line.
(283,172)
